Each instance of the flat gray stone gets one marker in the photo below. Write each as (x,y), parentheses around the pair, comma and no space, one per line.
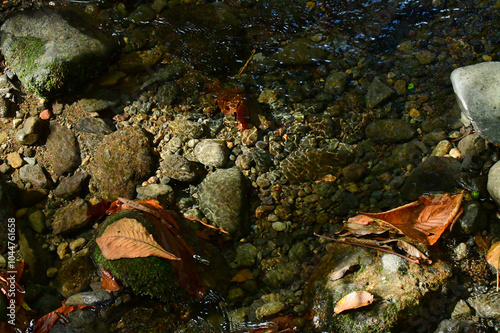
(34,175)
(62,148)
(378,92)
(71,217)
(478,95)
(52,51)
(494,182)
(390,131)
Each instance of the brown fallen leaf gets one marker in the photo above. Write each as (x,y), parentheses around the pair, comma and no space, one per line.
(484,243)
(413,251)
(354,300)
(339,273)
(493,257)
(127,238)
(424,220)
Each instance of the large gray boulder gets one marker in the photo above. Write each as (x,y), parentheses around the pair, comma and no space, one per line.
(54,51)
(478,94)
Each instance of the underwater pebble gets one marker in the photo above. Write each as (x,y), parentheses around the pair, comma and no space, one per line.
(211,152)
(269,309)
(89,298)
(279,226)
(15,160)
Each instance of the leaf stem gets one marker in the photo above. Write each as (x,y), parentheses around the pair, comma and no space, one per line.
(370,247)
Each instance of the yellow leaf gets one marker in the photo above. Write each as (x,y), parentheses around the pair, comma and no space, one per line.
(127,238)
(354,300)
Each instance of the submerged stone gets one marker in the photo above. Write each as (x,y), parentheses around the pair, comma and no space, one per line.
(62,148)
(121,162)
(312,164)
(435,174)
(54,51)
(222,200)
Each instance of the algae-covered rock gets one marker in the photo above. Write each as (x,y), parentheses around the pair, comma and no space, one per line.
(222,200)
(54,51)
(397,292)
(74,275)
(151,276)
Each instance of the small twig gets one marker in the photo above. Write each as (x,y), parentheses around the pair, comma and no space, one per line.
(139,206)
(248,61)
(469,131)
(370,247)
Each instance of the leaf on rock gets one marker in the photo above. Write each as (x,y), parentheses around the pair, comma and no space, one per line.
(168,235)
(127,238)
(339,273)
(45,323)
(493,257)
(483,242)
(354,300)
(424,220)
(413,251)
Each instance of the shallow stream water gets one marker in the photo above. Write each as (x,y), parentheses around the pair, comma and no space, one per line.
(289,48)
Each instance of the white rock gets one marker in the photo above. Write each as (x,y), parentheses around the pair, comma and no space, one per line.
(211,152)
(477,88)
(494,182)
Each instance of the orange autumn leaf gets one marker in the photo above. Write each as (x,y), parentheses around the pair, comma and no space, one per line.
(127,238)
(45,323)
(231,100)
(354,300)
(108,281)
(424,220)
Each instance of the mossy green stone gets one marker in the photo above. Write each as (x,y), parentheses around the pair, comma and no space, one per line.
(53,51)
(151,276)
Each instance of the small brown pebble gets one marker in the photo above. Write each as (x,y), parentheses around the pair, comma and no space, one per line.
(45,114)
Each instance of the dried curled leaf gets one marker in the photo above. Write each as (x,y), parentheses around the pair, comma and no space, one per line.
(339,273)
(413,251)
(354,300)
(424,220)
(127,238)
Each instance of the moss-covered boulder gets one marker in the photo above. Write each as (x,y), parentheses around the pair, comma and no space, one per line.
(151,276)
(54,51)
(399,288)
